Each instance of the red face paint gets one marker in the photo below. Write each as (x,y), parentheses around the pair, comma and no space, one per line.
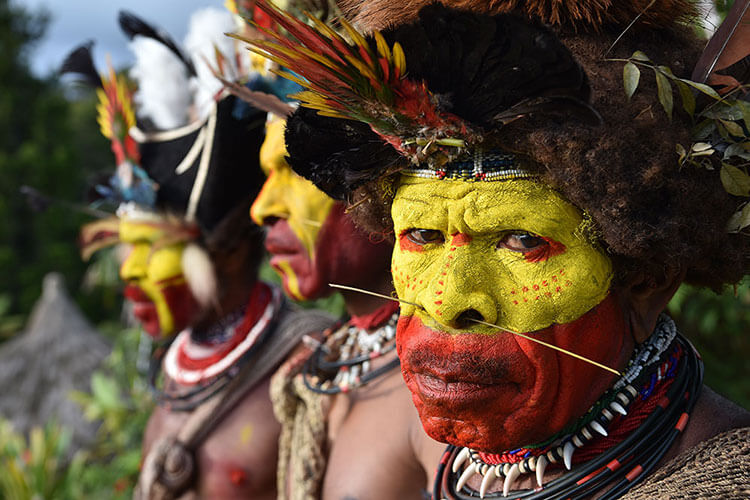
(344,254)
(499,392)
(180,302)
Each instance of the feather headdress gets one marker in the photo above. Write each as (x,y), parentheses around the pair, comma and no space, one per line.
(116,117)
(482,74)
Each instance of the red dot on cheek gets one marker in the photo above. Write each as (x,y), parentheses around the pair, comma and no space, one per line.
(237,476)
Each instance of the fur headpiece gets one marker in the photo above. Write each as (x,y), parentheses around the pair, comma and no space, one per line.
(586,15)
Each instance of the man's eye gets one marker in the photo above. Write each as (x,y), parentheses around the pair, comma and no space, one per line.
(521,242)
(425,236)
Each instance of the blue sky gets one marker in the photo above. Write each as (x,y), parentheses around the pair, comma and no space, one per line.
(75,21)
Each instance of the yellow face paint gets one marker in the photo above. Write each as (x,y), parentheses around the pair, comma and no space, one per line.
(286,195)
(156,284)
(291,283)
(463,246)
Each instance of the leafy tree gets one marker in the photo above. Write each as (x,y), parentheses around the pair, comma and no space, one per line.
(46,142)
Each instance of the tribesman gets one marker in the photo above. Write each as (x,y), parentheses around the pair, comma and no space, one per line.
(331,394)
(342,397)
(542,222)
(187,172)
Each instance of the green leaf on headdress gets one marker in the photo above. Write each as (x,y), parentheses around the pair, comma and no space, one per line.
(687,97)
(736,182)
(744,106)
(733,128)
(681,152)
(723,112)
(739,220)
(741,150)
(640,56)
(703,129)
(709,91)
(631,75)
(664,90)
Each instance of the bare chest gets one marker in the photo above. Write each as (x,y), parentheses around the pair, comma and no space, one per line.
(238,458)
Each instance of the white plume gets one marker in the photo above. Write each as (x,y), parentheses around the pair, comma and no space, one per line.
(207,30)
(163,94)
(200,275)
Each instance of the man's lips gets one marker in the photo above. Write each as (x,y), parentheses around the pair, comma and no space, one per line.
(136,294)
(456,391)
(144,309)
(281,240)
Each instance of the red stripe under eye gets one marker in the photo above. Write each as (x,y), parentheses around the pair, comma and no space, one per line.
(406,245)
(544,252)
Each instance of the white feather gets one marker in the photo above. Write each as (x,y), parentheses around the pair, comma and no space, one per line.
(208,28)
(163,94)
(200,275)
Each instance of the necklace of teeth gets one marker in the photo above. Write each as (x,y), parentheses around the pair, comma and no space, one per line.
(562,447)
(344,360)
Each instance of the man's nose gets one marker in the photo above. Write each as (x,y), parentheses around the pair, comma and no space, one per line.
(135,265)
(460,297)
(269,205)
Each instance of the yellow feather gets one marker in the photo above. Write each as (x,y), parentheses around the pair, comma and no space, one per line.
(361,67)
(289,76)
(399,59)
(383,48)
(324,28)
(354,34)
(334,114)
(317,57)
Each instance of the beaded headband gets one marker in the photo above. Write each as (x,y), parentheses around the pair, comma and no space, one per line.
(486,166)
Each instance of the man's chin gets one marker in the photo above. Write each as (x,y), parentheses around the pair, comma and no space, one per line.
(298,281)
(479,435)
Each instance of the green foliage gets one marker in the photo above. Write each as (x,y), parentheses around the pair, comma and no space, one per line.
(120,400)
(9,324)
(44,467)
(49,143)
(718,326)
(723,6)
(721,125)
(38,467)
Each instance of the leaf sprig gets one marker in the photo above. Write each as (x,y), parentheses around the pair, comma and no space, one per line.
(721,128)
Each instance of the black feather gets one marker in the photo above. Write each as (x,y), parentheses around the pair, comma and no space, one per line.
(133,25)
(481,66)
(80,62)
(487,70)
(337,155)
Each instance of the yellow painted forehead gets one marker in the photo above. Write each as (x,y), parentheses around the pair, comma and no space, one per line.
(133,231)
(469,265)
(273,150)
(478,207)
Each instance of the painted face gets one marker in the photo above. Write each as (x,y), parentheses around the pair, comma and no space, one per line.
(311,240)
(507,253)
(161,298)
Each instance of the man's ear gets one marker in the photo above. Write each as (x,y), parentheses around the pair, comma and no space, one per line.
(645,296)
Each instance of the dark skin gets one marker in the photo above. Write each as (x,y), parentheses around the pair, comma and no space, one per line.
(377,446)
(238,458)
(643,298)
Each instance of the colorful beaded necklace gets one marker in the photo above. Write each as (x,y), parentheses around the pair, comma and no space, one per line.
(616,444)
(197,366)
(343,361)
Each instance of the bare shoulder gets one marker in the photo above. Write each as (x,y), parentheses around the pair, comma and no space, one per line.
(373,456)
(713,414)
